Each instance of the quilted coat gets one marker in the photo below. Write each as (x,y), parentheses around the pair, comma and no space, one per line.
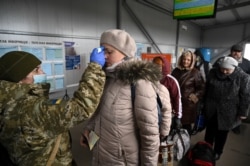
(130,137)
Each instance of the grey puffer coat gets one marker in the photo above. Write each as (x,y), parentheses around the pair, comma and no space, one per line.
(228,96)
(130,137)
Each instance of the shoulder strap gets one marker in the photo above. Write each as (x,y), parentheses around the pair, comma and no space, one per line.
(133,101)
(133,94)
(54,151)
(159,107)
(182,142)
(133,109)
(159,101)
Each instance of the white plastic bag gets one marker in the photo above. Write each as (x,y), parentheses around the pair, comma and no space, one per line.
(181,141)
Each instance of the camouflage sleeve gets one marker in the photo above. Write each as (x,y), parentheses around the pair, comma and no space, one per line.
(82,105)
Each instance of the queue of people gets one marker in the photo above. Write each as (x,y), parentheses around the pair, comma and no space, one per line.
(124,120)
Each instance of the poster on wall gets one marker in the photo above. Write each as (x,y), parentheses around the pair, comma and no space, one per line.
(72,60)
(50,53)
(150,56)
(139,50)
(5,49)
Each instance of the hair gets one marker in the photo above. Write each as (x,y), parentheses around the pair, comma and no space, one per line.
(184,54)
(158,61)
(188,53)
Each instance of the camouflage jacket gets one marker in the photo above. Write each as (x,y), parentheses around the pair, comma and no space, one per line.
(30,122)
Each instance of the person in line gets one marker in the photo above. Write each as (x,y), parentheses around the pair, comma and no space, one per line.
(128,132)
(33,128)
(174,90)
(204,66)
(244,64)
(227,99)
(192,88)
(236,53)
(201,64)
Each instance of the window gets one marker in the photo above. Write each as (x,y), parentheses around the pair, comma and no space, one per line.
(247,51)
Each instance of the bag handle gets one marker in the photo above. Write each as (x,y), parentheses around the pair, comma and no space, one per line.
(182,142)
(54,151)
(177,131)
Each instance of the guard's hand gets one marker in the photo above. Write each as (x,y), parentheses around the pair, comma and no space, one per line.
(98,56)
(177,123)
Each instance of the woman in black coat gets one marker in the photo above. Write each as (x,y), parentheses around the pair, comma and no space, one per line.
(226,101)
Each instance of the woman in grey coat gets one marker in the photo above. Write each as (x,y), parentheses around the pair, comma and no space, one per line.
(226,101)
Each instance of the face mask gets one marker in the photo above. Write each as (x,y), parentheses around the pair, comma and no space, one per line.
(39,78)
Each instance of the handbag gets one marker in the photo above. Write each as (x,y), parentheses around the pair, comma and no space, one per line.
(181,140)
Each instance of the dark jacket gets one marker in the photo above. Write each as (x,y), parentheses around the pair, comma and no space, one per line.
(245,65)
(190,81)
(227,96)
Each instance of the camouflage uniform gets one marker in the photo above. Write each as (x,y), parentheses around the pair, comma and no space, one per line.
(30,122)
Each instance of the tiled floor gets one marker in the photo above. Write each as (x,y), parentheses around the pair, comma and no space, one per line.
(236,151)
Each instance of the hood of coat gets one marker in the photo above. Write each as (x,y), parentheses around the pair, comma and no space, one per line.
(232,76)
(166,67)
(131,71)
(10,91)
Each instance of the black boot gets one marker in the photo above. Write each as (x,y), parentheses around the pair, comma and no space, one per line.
(236,130)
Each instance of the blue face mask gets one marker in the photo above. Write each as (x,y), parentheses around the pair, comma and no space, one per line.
(39,78)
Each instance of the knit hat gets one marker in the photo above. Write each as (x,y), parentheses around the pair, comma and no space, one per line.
(236,48)
(228,63)
(120,40)
(16,65)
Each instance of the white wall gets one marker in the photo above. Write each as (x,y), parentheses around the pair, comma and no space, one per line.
(221,39)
